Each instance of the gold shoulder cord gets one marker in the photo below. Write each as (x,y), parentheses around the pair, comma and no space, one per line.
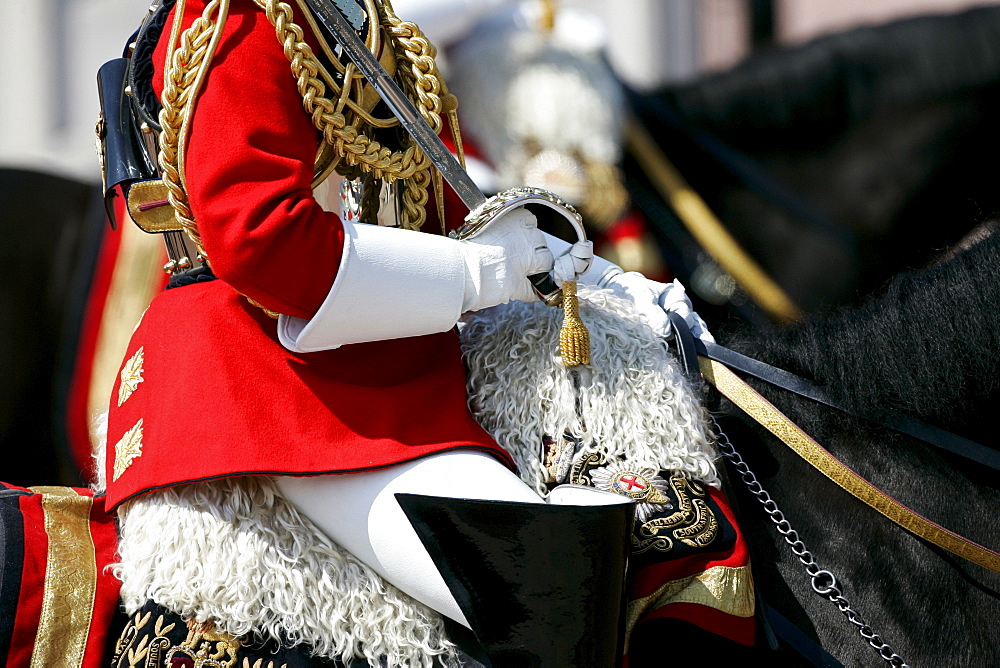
(343,117)
(182,78)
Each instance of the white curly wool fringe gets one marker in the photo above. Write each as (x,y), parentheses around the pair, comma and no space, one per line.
(634,401)
(235,552)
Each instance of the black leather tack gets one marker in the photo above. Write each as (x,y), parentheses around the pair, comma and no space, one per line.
(904,424)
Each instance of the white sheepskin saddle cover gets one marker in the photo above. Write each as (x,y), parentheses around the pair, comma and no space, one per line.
(235,552)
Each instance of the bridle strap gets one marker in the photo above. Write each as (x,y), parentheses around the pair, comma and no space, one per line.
(761,410)
(904,424)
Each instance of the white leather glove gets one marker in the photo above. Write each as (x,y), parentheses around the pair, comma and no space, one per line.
(499,260)
(651,299)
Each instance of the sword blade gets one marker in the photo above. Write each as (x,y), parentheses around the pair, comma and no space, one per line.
(412,121)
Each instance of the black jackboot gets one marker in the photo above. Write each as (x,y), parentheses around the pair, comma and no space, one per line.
(542,585)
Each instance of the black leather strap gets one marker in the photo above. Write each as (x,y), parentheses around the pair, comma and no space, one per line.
(940,438)
(794,637)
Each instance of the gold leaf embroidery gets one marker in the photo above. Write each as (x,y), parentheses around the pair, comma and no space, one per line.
(131,376)
(128,448)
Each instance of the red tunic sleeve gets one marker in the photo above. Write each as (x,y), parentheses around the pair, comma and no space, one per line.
(249,170)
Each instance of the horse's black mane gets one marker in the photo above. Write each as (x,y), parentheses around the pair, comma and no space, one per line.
(929,346)
(838,80)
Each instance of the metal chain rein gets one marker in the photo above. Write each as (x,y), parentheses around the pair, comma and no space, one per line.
(823,581)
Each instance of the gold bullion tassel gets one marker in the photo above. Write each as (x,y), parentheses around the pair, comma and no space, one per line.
(574,339)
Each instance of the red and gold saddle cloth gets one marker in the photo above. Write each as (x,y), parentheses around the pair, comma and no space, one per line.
(57,599)
(689,568)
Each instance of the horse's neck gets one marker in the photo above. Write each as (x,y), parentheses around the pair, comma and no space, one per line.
(928,347)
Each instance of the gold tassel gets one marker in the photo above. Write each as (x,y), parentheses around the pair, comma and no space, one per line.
(574,339)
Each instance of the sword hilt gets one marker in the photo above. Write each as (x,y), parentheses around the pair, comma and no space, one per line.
(544,284)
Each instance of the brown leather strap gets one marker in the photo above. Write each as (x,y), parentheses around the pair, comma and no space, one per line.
(761,410)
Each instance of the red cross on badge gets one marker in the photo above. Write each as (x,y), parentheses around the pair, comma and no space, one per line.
(631,484)
(632,480)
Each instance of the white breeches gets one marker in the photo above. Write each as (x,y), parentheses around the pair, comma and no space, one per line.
(359,512)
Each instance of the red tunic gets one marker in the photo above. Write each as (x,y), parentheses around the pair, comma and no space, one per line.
(218,395)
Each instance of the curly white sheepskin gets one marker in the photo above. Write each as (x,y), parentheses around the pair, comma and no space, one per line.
(99,436)
(235,552)
(634,401)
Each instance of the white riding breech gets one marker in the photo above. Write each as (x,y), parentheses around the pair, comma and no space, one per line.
(360,513)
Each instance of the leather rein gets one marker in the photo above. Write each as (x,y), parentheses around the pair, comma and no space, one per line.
(716,365)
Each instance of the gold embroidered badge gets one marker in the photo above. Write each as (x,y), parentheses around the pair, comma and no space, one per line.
(128,448)
(205,647)
(131,376)
(202,645)
(666,510)
(694,523)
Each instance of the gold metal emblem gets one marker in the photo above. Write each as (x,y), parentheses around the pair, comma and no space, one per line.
(645,485)
(205,647)
(131,376)
(127,449)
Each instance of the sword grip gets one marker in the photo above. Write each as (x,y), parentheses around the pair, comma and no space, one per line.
(545,287)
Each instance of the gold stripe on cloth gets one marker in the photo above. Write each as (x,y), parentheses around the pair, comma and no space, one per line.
(761,410)
(728,589)
(70,579)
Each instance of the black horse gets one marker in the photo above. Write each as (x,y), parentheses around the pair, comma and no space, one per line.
(929,347)
(834,163)
(53,227)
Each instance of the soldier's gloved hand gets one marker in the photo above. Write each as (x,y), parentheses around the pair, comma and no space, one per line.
(500,258)
(651,299)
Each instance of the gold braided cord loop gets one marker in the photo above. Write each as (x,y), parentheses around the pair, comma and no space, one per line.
(273,315)
(422,76)
(187,64)
(339,118)
(423,80)
(342,125)
(341,113)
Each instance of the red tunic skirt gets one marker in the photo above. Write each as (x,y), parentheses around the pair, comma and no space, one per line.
(207,391)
